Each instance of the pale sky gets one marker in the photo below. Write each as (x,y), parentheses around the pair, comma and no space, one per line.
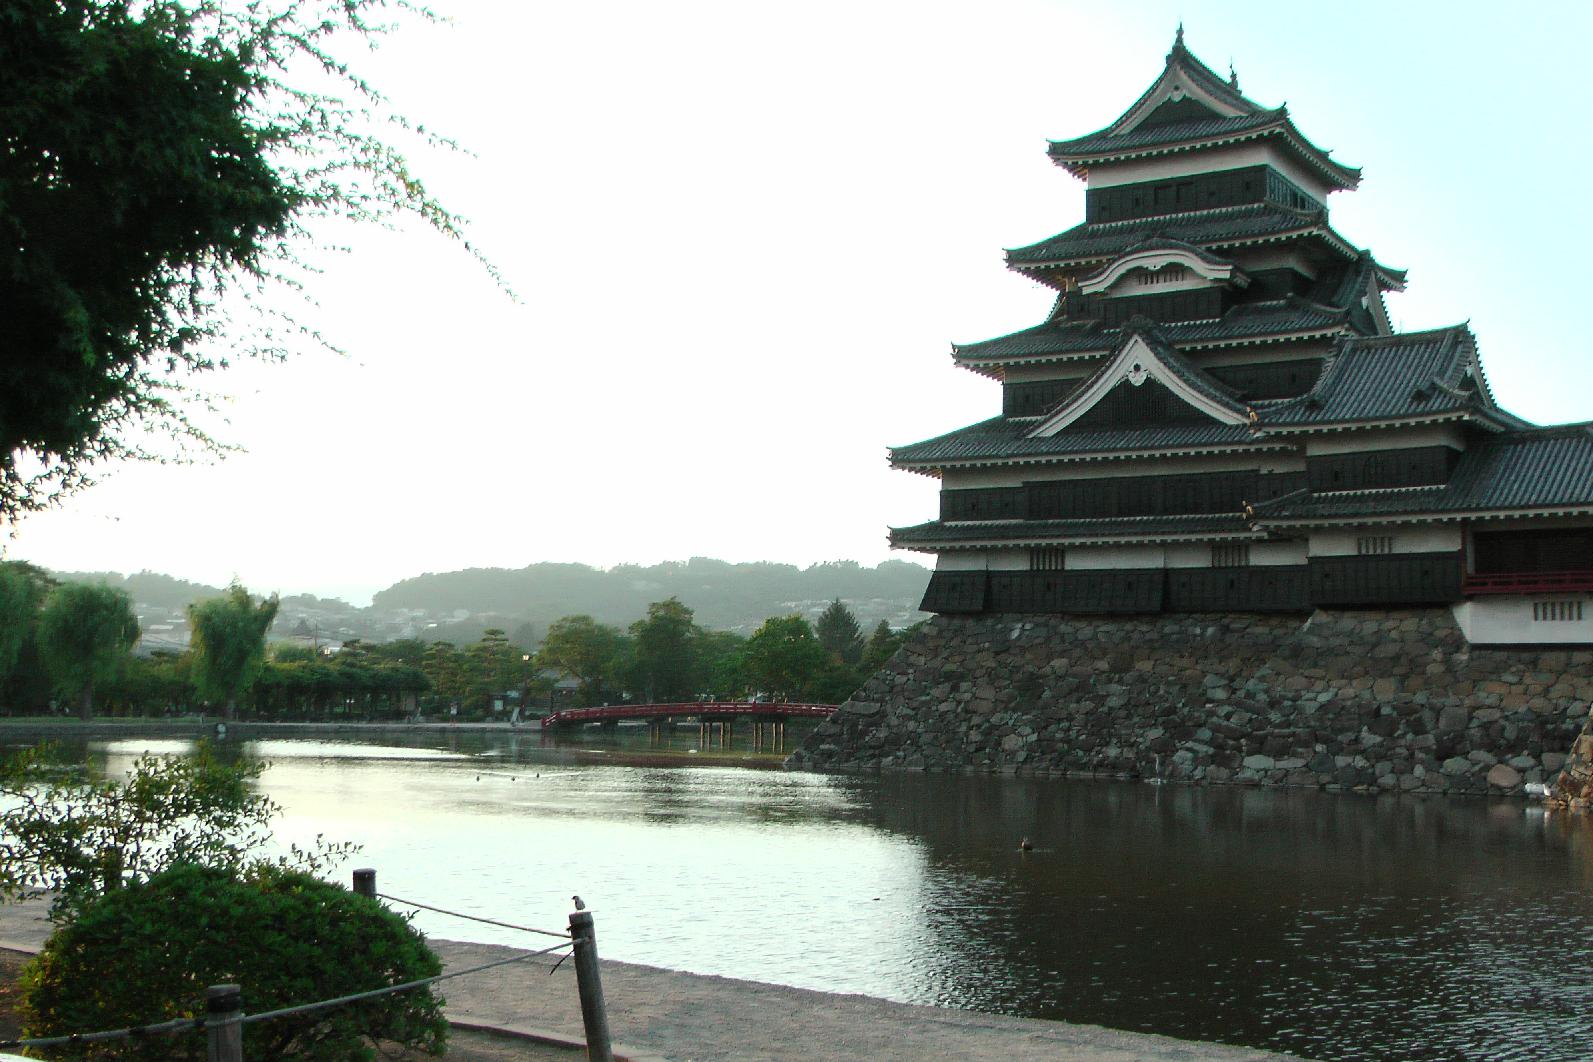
(745,235)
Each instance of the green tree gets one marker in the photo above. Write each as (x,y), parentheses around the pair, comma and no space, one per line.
(69,832)
(159,156)
(664,650)
(719,658)
(493,667)
(150,685)
(286,936)
(229,644)
(882,645)
(584,649)
(838,632)
(84,632)
(783,658)
(22,591)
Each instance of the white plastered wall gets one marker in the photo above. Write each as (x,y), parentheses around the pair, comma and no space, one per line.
(1351,442)
(1525,620)
(1337,543)
(978,560)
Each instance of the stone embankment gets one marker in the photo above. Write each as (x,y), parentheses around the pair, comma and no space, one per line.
(1365,701)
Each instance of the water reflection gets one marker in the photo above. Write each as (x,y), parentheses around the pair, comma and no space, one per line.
(1326,926)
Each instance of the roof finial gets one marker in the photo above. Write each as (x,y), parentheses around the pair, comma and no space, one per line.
(1178,38)
(1233,76)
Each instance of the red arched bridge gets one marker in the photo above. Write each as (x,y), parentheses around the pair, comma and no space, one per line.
(702,710)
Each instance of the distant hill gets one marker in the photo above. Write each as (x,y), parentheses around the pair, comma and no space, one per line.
(457,606)
(724,596)
(147,588)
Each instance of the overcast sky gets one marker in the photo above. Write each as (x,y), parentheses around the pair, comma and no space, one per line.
(745,235)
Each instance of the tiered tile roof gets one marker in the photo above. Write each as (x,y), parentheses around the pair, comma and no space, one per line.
(1543,469)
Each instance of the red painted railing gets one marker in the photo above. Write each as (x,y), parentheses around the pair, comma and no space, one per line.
(686,708)
(1527,582)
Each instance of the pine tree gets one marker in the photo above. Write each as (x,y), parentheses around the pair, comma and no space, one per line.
(839,633)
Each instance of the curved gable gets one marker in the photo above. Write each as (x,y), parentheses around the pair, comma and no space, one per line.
(1166,261)
(1137,361)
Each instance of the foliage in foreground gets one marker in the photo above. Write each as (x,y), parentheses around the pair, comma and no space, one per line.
(79,836)
(159,156)
(148,951)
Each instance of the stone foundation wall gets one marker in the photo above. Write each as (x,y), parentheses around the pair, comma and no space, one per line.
(1345,700)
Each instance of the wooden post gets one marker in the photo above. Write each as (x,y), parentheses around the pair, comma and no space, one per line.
(365,882)
(223,1023)
(594,1015)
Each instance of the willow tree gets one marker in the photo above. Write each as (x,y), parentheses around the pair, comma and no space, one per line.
(22,591)
(228,639)
(85,629)
(160,158)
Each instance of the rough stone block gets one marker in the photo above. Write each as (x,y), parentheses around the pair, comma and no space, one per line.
(1503,776)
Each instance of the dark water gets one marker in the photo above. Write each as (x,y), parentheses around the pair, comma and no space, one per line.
(1328,926)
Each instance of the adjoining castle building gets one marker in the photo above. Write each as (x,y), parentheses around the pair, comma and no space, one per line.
(1217,416)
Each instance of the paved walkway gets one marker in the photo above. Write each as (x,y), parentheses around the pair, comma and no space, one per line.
(664,1015)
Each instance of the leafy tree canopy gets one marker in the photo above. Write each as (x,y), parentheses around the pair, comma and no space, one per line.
(84,632)
(229,644)
(783,657)
(583,648)
(158,155)
(22,591)
(665,652)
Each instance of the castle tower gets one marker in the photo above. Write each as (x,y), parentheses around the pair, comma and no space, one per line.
(1217,416)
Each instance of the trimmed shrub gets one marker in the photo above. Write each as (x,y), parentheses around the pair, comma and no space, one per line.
(147,952)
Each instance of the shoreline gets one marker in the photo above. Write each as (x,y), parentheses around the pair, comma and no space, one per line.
(657,1014)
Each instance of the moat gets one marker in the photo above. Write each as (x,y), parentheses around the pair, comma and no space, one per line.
(1324,925)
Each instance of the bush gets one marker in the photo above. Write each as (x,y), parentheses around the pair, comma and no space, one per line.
(66,831)
(146,953)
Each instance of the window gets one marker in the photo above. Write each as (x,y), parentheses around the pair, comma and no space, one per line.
(1230,555)
(1046,560)
(1556,611)
(1168,274)
(1374,545)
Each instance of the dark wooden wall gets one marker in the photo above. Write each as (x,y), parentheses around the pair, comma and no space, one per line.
(1559,550)
(1389,579)
(1264,588)
(1035,398)
(1194,304)
(1270,379)
(1092,499)
(1250,184)
(1149,405)
(1083,499)
(983,503)
(1411,467)
(956,592)
(1122,591)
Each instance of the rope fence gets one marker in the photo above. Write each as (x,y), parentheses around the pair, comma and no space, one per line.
(472,918)
(130,1032)
(224,1025)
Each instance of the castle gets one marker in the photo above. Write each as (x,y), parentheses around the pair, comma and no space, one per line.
(1217,416)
